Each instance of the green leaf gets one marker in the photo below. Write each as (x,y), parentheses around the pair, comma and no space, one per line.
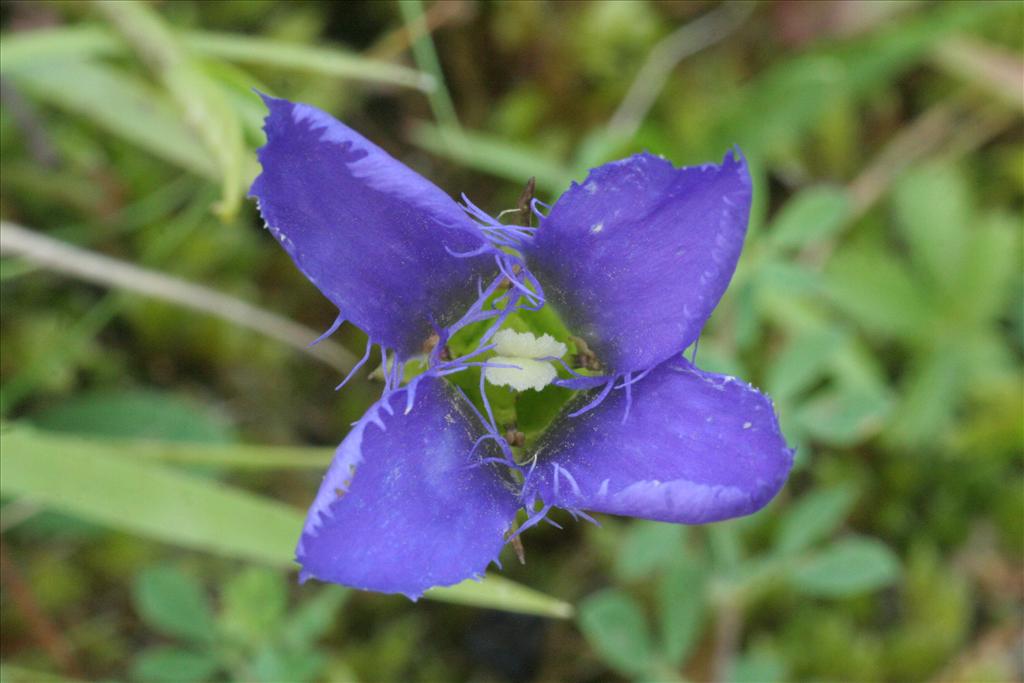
(136,414)
(313,618)
(788,279)
(814,214)
(173,665)
(274,665)
(253,604)
(778,108)
(18,674)
(238,456)
(725,544)
(850,566)
(845,414)
(647,546)
(122,490)
(813,518)
(13,268)
(682,605)
(933,212)
(803,362)
(771,112)
(116,488)
(615,627)
(174,604)
(119,104)
(985,283)
(876,290)
(759,665)
(928,397)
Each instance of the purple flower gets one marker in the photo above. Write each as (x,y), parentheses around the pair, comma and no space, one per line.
(424,490)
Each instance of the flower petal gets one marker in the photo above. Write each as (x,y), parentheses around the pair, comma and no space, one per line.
(370,232)
(637,257)
(406,504)
(696,447)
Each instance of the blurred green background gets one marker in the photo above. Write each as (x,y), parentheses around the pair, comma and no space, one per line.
(164,425)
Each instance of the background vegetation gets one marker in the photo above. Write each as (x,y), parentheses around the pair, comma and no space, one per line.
(164,424)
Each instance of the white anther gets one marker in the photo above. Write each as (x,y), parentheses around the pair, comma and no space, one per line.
(519,353)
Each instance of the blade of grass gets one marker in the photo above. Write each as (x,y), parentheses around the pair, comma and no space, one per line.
(121,490)
(395,42)
(425,54)
(66,44)
(201,100)
(120,104)
(328,61)
(103,270)
(500,593)
(134,494)
(25,49)
(685,41)
(233,455)
(493,155)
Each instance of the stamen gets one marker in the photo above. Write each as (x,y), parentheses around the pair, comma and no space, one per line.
(629,398)
(533,206)
(576,512)
(597,401)
(523,351)
(467,254)
(487,403)
(355,368)
(330,330)
(478,213)
(559,471)
(533,520)
(476,312)
(410,394)
(483,420)
(552,522)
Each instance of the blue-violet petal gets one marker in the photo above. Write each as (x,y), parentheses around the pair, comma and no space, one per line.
(372,234)
(696,447)
(407,504)
(637,257)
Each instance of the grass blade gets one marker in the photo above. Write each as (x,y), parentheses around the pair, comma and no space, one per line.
(202,101)
(426,58)
(501,158)
(120,104)
(104,270)
(327,61)
(124,489)
(24,49)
